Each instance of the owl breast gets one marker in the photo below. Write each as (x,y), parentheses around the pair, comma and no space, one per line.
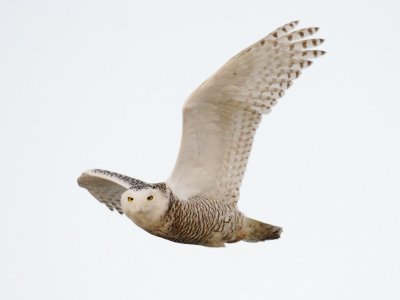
(200,221)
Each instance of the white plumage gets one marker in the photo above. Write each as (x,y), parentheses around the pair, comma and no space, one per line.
(220,119)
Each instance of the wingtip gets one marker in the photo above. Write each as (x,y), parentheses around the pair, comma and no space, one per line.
(293,24)
(82,178)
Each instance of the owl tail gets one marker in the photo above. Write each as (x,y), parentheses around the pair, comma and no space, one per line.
(256,231)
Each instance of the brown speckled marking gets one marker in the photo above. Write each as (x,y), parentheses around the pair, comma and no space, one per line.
(199,221)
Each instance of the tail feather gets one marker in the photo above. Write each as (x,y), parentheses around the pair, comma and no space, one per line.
(255,231)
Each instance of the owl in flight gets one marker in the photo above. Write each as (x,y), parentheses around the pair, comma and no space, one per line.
(197,204)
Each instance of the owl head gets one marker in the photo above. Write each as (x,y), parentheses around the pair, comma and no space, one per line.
(145,207)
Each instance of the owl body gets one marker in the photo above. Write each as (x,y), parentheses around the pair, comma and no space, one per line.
(198,220)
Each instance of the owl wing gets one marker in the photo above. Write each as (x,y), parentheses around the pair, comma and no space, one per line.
(220,118)
(107,187)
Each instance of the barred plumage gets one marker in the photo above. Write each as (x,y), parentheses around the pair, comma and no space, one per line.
(200,221)
(197,204)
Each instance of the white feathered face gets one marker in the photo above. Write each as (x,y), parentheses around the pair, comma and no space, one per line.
(144,207)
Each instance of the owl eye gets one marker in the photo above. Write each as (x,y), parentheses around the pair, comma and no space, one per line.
(130,199)
(150,198)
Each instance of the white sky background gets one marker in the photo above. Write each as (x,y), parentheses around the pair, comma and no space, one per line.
(100,84)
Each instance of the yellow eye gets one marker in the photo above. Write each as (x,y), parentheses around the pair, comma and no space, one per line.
(130,199)
(150,198)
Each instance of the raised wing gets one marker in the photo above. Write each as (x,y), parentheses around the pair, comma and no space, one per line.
(220,118)
(107,187)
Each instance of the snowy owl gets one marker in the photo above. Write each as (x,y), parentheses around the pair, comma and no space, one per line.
(197,204)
